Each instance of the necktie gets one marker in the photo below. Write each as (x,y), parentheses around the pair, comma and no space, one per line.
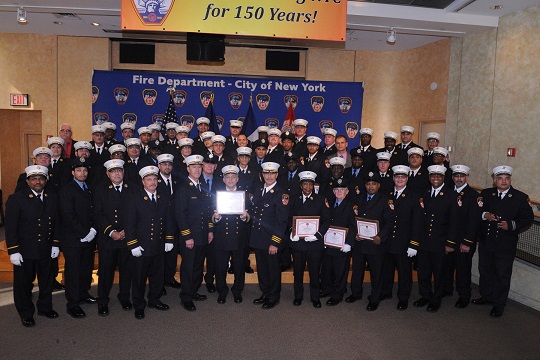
(84,187)
(264,191)
(99,151)
(117,187)
(336,204)
(169,185)
(369,197)
(270,151)
(500,196)
(154,200)
(208,183)
(356,173)
(54,162)
(290,176)
(433,193)
(341,156)
(260,161)
(234,141)
(39,196)
(396,194)
(411,174)
(199,186)
(304,200)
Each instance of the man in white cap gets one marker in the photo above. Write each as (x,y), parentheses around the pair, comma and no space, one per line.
(300,143)
(110,200)
(308,249)
(269,212)
(193,215)
(59,171)
(275,150)
(440,157)
(314,161)
(203,124)
(149,235)
(218,149)
(337,175)
(32,239)
(179,166)
(134,160)
(433,139)
(505,212)
(329,147)
(99,153)
(144,135)
(385,173)
(171,144)
(407,133)
(368,151)
(397,158)
(182,132)
(439,218)
(156,132)
(128,129)
(110,133)
(42,156)
(235,128)
(418,176)
(117,151)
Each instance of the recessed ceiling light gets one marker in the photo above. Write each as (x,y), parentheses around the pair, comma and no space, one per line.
(496,7)
(58,23)
(353,39)
(95,24)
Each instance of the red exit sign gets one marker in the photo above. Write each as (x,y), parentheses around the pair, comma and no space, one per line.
(18,99)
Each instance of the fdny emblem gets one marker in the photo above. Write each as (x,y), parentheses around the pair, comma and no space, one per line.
(149,96)
(100,118)
(459,202)
(95,94)
(290,100)
(422,202)
(391,204)
(325,124)
(158,119)
(285,199)
(317,103)
(355,208)
(179,97)
(206,97)
(187,120)
(220,121)
(153,12)
(129,118)
(345,104)
(480,201)
(352,129)
(263,100)
(121,95)
(272,123)
(235,99)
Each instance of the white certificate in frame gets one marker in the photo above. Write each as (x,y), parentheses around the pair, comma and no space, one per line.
(335,237)
(230,202)
(367,229)
(305,225)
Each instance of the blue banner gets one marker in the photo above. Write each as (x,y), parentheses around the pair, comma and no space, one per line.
(143,98)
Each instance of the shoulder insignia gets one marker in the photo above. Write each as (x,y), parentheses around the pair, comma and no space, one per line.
(422,202)
(125,185)
(30,196)
(480,201)
(328,205)
(355,208)
(284,199)
(459,202)
(110,186)
(441,193)
(509,195)
(145,198)
(391,204)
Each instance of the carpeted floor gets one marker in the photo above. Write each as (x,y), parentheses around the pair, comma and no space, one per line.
(245,331)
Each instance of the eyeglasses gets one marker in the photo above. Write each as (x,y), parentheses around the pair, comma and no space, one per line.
(65,130)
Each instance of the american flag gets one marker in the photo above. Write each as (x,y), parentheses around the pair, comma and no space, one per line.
(170,114)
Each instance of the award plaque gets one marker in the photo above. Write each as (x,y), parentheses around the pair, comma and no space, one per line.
(367,229)
(335,237)
(231,202)
(305,225)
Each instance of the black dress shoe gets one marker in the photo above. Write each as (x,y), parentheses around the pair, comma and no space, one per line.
(433,307)
(221,300)
(163,291)
(352,298)
(28,322)
(198,297)
(333,302)
(385,297)
(103,310)
(447,294)
(48,314)
(270,304)
(238,299)
(174,284)
(261,300)
(211,288)
(57,286)
(159,306)
(249,270)
(126,305)
(316,304)
(402,305)
(421,302)
(77,312)
(139,314)
(189,305)
(323,294)
(297,302)
(481,301)
(496,312)
(89,300)
(372,306)
(462,303)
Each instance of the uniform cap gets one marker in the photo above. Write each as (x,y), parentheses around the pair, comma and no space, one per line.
(79,162)
(207,135)
(287,135)
(202,120)
(275,132)
(269,167)
(415,150)
(503,169)
(156,144)
(436,169)
(98,129)
(356,152)
(460,169)
(42,150)
(127,125)
(82,145)
(55,140)
(313,140)
(144,130)
(300,122)
(401,169)
(383,156)
(391,135)
(117,148)
(219,138)
(114,164)
(329,131)
(148,170)
(235,123)
(367,131)
(194,160)
(182,129)
(440,150)
(133,141)
(263,129)
(165,158)
(372,176)
(338,161)
(244,150)
(407,128)
(433,135)
(155,127)
(230,169)
(171,126)
(260,142)
(340,183)
(185,142)
(109,125)
(36,170)
(307,176)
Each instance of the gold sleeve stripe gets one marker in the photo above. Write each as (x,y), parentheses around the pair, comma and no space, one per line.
(467,240)
(132,242)
(414,243)
(210,225)
(105,231)
(13,247)
(169,237)
(185,232)
(56,241)
(451,242)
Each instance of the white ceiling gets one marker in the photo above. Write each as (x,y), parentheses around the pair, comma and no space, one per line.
(367,23)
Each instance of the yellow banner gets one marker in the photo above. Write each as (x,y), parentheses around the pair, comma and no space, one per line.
(297,19)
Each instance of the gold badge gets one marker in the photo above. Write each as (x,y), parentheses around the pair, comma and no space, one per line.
(480,201)
(284,199)
(145,198)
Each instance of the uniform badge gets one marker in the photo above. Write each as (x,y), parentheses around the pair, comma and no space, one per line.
(509,195)
(391,204)
(357,190)
(459,202)
(402,194)
(30,196)
(285,199)
(355,208)
(110,186)
(328,205)
(441,193)
(480,201)
(145,198)
(272,191)
(422,202)
(327,163)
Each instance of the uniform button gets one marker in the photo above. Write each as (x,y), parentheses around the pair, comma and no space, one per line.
(152,234)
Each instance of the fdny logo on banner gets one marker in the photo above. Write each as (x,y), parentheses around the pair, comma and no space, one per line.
(149,96)
(158,119)
(153,12)
(263,100)
(121,95)
(187,120)
(100,118)
(235,99)
(206,97)
(290,100)
(241,118)
(352,129)
(272,123)
(326,124)
(345,104)
(95,94)
(317,103)
(129,118)
(179,97)
(219,121)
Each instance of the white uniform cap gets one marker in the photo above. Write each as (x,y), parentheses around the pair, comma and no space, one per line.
(98,129)
(207,135)
(165,158)
(407,128)
(401,169)
(263,129)
(460,169)
(194,160)
(300,122)
(328,131)
(109,125)
(307,176)
(155,127)
(116,148)
(82,145)
(203,120)
(171,126)
(219,138)
(269,167)
(114,164)
(42,150)
(415,150)
(185,142)
(36,170)
(433,135)
(313,140)
(440,150)
(274,131)
(391,134)
(127,125)
(148,170)
(133,141)
(244,150)
(144,130)
(383,156)
(230,169)
(368,131)
(338,161)
(503,169)
(436,169)
(55,140)
(182,129)
(236,123)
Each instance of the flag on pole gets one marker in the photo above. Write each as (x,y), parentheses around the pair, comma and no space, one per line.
(289,118)
(250,123)
(211,115)
(170,114)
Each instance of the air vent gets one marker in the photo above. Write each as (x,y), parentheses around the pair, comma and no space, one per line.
(463,6)
(66,16)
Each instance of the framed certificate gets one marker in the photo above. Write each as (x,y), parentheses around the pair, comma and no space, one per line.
(367,229)
(335,237)
(231,202)
(305,225)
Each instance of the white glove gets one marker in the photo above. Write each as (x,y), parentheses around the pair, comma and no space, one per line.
(16,259)
(310,238)
(411,252)
(55,251)
(168,247)
(90,236)
(345,248)
(137,251)
(294,238)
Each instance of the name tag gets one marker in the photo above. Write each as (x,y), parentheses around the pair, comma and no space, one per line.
(194,197)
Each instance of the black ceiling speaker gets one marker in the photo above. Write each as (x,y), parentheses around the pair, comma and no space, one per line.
(205,47)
